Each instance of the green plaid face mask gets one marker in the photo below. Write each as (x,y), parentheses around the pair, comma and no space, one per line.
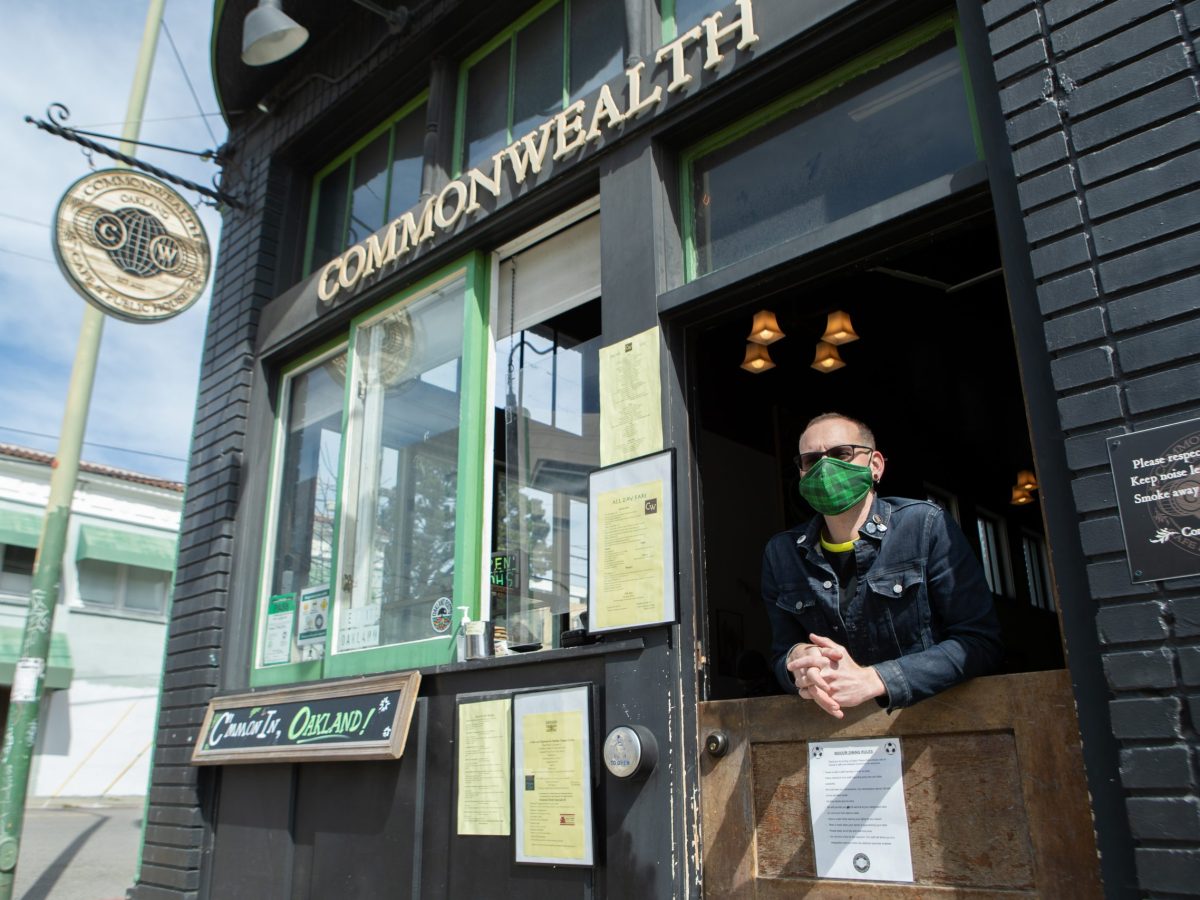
(833,486)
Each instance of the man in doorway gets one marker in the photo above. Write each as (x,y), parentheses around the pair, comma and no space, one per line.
(875,598)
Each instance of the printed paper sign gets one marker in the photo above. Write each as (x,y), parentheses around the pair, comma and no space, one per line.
(281,618)
(314,615)
(859,820)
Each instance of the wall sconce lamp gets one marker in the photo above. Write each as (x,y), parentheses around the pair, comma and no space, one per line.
(269,34)
(1027,480)
(765,329)
(838,329)
(1020,496)
(827,359)
(757,359)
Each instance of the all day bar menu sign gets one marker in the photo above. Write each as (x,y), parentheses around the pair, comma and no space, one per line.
(1157,478)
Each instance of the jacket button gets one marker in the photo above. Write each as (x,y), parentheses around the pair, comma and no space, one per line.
(800,605)
(828,584)
(896,589)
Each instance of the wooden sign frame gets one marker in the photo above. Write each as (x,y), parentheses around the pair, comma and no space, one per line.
(406,684)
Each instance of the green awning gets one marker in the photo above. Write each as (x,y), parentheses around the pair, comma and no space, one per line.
(145,550)
(20,528)
(59,667)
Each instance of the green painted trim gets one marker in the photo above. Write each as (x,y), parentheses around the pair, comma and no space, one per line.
(972,111)
(460,121)
(387,182)
(218,14)
(475,421)
(566,54)
(351,153)
(668,21)
(473,418)
(308,670)
(511,111)
(507,34)
(347,212)
(688,212)
(868,62)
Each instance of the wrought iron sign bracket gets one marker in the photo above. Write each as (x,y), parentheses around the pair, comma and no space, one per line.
(57,114)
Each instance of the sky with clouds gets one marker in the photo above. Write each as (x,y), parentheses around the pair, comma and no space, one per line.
(82,53)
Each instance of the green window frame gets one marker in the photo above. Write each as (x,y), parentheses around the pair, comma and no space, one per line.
(670,20)
(511,36)
(814,90)
(470,492)
(352,155)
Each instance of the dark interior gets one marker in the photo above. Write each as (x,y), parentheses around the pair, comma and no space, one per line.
(934,373)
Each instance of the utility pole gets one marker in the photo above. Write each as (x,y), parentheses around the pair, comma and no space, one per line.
(20,730)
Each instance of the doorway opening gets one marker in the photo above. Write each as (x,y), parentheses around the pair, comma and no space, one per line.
(933,372)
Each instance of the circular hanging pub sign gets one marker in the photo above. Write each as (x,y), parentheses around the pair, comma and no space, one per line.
(131,245)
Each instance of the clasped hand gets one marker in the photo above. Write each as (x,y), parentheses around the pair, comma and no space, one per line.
(825,673)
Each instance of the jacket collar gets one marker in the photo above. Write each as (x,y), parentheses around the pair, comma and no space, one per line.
(808,536)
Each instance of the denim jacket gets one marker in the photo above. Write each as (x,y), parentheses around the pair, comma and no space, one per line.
(921,613)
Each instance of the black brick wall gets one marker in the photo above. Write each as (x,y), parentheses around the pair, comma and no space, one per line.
(1102,113)
(247,275)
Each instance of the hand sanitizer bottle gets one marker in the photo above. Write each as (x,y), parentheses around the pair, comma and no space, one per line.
(461,638)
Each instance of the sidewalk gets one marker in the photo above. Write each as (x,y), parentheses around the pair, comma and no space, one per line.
(79,849)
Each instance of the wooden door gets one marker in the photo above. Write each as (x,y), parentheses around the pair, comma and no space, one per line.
(993,784)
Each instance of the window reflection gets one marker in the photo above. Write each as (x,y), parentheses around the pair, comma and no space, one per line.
(880,135)
(546,444)
(403,472)
(368,185)
(303,542)
(529,76)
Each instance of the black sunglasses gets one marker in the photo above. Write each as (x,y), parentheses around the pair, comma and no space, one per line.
(844,452)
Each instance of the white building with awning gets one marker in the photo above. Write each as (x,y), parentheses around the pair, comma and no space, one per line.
(105,665)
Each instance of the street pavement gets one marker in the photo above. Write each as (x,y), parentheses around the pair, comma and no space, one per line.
(79,849)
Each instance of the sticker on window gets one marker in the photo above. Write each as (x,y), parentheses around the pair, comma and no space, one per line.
(441,615)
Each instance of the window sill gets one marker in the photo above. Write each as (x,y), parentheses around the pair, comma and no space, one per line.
(600,648)
(151,618)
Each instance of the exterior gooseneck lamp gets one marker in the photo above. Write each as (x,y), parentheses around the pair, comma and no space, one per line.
(269,34)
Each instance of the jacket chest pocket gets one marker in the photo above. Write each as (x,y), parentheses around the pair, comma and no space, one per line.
(799,601)
(900,608)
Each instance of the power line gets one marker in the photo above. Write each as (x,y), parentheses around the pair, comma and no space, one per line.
(22,219)
(55,437)
(215,115)
(28,256)
(183,69)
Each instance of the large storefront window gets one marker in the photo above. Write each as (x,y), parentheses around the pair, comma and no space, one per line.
(883,125)
(374,181)
(403,463)
(377,486)
(308,445)
(559,51)
(547,411)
